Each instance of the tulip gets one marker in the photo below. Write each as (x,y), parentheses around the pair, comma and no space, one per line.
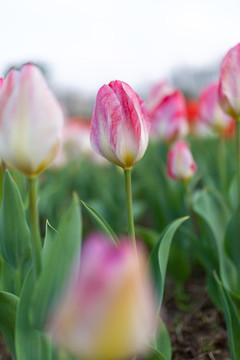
(167,109)
(229,84)
(120,124)
(210,111)
(107,310)
(180,163)
(30,121)
(197,127)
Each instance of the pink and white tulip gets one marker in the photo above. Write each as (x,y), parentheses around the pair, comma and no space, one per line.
(108,310)
(210,111)
(229,84)
(30,121)
(120,124)
(180,163)
(167,109)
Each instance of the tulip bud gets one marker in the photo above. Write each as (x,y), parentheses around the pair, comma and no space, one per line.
(30,121)
(120,124)
(210,111)
(167,109)
(107,311)
(180,163)
(229,85)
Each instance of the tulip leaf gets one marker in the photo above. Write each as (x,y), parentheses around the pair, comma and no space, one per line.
(8,310)
(58,263)
(30,343)
(101,222)
(210,206)
(8,278)
(232,319)
(155,354)
(48,244)
(159,257)
(231,241)
(162,341)
(149,237)
(14,231)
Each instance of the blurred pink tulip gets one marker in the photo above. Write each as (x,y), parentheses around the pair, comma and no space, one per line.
(167,109)
(30,121)
(197,127)
(108,310)
(180,164)
(120,124)
(229,85)
(1,82)
(210,111)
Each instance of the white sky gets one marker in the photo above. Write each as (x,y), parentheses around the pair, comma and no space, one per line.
(89,43)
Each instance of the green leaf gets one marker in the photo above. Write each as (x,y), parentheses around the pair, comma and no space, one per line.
(8,310)
(162,341)
(14,231)
(101,222)
(159,257)
(50,234)
(232,320)
(231,241)
(58,263)
(154,354)
(8,278)
(148,236)
(210,206)
(30,343)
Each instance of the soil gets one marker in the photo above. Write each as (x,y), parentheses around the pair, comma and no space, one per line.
(197,329)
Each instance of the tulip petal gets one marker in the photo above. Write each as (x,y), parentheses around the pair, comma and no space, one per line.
(31,122)
(229,86)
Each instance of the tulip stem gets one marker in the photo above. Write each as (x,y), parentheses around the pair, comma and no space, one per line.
(128,189)
(34,225)
(222,163)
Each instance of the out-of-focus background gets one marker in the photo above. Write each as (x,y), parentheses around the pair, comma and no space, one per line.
(80,45)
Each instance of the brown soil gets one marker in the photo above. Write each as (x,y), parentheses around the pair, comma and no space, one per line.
(197,332)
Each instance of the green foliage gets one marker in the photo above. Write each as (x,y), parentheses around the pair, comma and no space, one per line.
(8,309)
(210,206)
(101,222)
(58,263)
(14,231)
(162,341)
(159,257)
(30,343)
(232,319)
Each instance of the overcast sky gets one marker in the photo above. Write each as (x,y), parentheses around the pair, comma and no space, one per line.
(89,43)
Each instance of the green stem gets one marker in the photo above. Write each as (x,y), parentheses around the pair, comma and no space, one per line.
(4,167)
(189,195)
(238,158)
(222,163)
(34,225)
(190,205)
(128,189)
